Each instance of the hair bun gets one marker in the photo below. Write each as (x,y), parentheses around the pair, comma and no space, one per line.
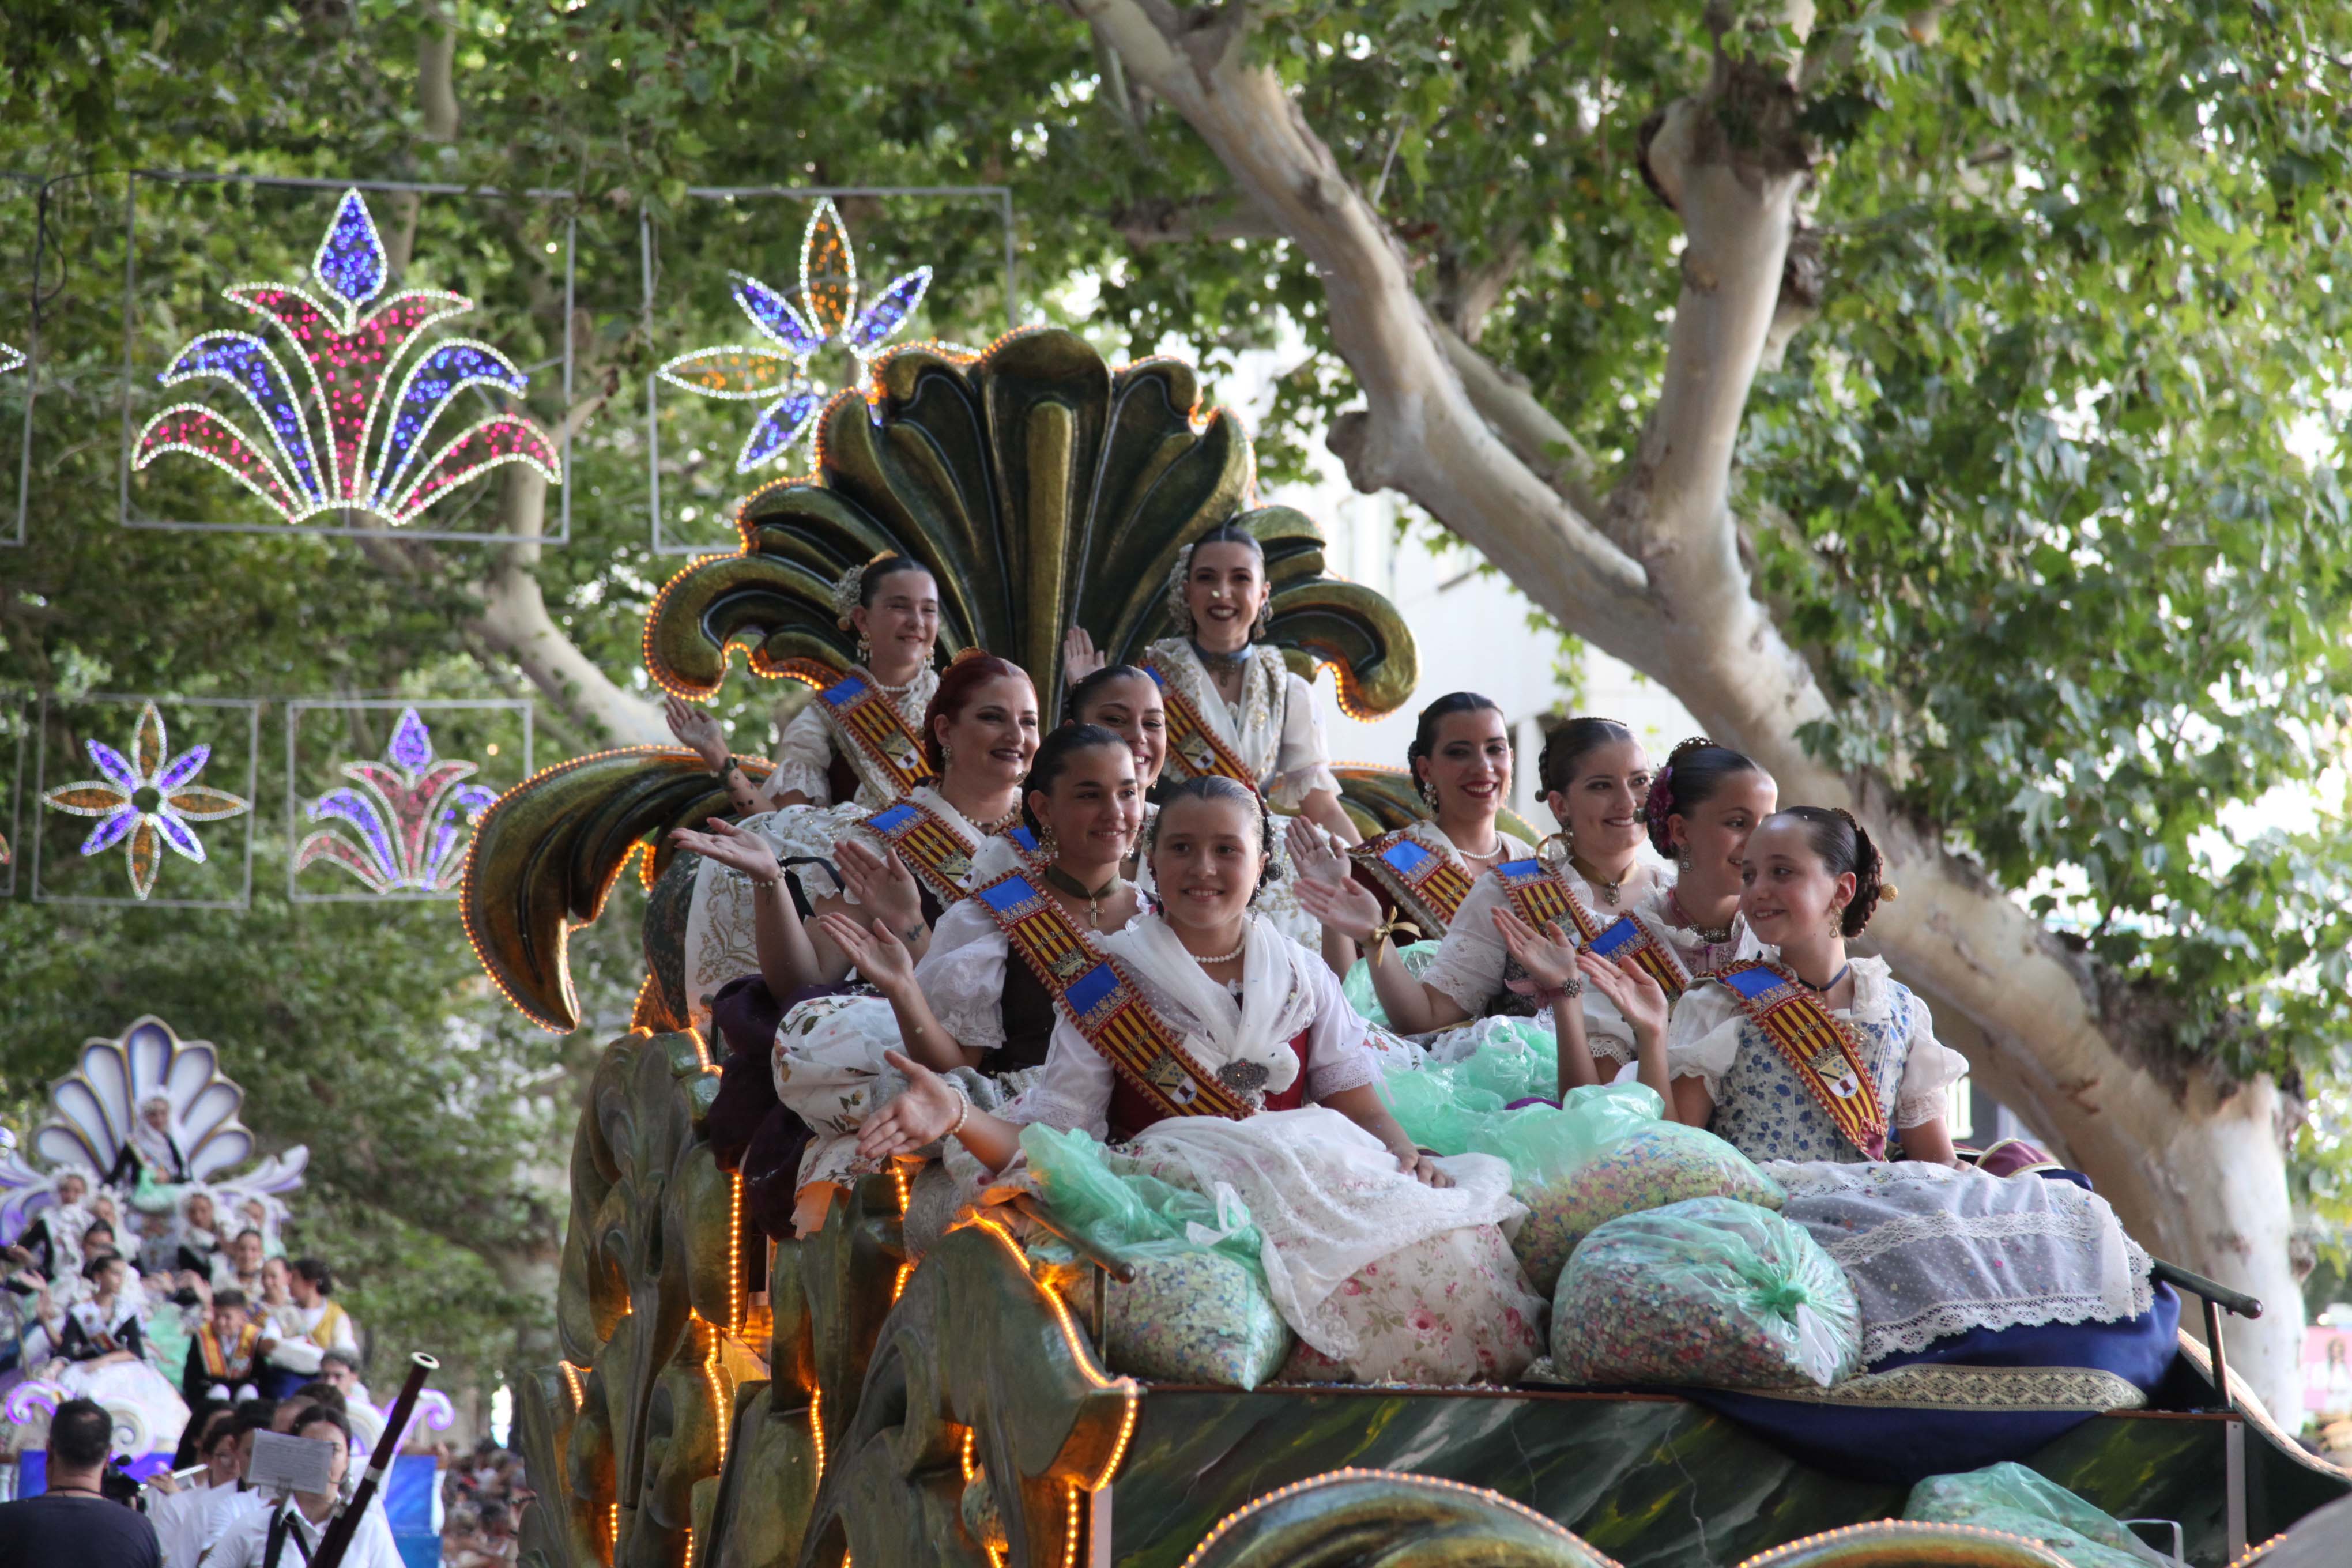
(1889,890)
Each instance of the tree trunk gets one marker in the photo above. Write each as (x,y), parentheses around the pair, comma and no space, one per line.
(1654,577)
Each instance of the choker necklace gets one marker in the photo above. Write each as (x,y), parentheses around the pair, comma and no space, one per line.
(1714,936)
(1609,889)
(1077,889)
(991,826)
(1823,990)
(1223,957)
(1220,663)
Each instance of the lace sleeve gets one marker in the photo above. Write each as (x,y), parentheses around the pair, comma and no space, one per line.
(1071,1093)
(1302,761)
(804,757)
(1929,1072)
(1469,964)
(963,977)
(1336,1057)
(1703,1036)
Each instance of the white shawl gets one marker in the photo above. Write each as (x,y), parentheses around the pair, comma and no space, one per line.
(1274,1003)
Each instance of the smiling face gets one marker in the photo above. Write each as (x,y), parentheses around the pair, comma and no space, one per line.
(71,1190)
(273,1275)
(903,621)
(246,1252)
(1225,587)
(1786,892)
(1095,807)
(990,742)
(1713,835)
(1206,855)
(1132,709)
(1601,806)
(1470,763)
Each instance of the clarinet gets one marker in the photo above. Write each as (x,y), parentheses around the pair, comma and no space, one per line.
(346,1522)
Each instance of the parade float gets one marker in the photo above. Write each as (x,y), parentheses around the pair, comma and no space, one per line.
(143,1122)
(886,1392)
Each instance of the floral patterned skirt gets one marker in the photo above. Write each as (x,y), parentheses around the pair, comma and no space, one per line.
(1450,1309)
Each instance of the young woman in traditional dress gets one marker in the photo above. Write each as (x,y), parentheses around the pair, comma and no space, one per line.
(904,863)
(1226,1053)
(990,991)
(1827,1070)
(1419,875)
(103,1349)
(859,739)
(1703,803)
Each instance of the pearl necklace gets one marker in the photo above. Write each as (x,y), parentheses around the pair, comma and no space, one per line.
(1204,961)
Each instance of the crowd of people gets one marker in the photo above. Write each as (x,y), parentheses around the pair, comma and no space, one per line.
(482,1496)
(941,923)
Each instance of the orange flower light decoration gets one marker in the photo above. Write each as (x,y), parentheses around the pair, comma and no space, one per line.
(145,803)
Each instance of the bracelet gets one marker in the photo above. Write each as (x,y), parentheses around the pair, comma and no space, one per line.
(1385,930)
(963,1115)
(1551,995)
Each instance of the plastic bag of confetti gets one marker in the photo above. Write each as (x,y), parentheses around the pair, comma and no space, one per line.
(1605,1152)
(1711,1291)
(2012,1498)
(1198,1309)
(1416,956)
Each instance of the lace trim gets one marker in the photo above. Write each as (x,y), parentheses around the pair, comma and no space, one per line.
(1355,1071)
(2081,1224)
(1921,1108)
(1823,1175)
(809,781)
(1923,1328)
(1937,1385)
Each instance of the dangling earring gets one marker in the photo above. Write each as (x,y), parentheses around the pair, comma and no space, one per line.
(1049,848)
(1429,796)
(1682,863)
(946,756)
(865,649)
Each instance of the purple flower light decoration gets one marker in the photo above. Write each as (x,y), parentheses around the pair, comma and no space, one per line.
(412,816)
(828,313)
(146,803)
(314,457)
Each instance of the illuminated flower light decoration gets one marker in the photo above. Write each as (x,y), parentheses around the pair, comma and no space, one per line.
(316,455)
(146,802)
(827,313)
(10,359)
(413,816)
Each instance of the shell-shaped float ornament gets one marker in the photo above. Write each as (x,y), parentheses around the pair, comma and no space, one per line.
(1045,490)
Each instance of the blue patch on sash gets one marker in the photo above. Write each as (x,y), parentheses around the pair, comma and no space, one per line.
(1008,895)
(1092,989)
(845,692)
(1024,839)
(1519,871)
(1406,857)
(1750,982)
(890,820)
(1157,678)
(1621,937)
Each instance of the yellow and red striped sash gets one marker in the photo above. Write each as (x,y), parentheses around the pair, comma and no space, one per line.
(1629,938)
(1820,1048)
(1098,996)
(1540,895)
(933,850)
(1426,885)
(860,712)
(1194,749)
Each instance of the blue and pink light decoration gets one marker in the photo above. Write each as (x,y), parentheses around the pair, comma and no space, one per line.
(313,455)
(403,823)
(827,313)
(145,803)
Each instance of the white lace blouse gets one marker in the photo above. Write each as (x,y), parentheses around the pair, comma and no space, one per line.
(1272,725)
(961,975)
(1073,1090)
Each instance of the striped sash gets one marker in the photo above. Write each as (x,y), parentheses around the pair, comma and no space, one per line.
(858,711)
(1194,749)
(1103,1000)
(1540,895)
(934,851)
(1820,1048)
(1040,931)
(1629,938)
(219,1364)
(1426,885)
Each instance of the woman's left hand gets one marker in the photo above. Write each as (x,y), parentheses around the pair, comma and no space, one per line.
(914,1120)
(876,953)
(1312,853)
(1637,997)
(1423,1168)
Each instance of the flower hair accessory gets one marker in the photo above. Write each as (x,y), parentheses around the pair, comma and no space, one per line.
(851,589)
(1659,804)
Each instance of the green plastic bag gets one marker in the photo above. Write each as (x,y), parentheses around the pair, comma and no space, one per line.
(1416,957)
(1711,1291)
(1606,1151)
(1198,1309)
(2012,1498)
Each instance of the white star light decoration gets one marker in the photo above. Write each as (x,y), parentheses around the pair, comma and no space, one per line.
(146,803)
(10,359)
(827,313)
(316,455)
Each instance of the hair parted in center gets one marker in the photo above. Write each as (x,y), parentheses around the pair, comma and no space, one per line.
(1216,786)
(1569,743)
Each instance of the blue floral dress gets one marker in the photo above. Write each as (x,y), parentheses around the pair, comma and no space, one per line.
(1764,1110)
